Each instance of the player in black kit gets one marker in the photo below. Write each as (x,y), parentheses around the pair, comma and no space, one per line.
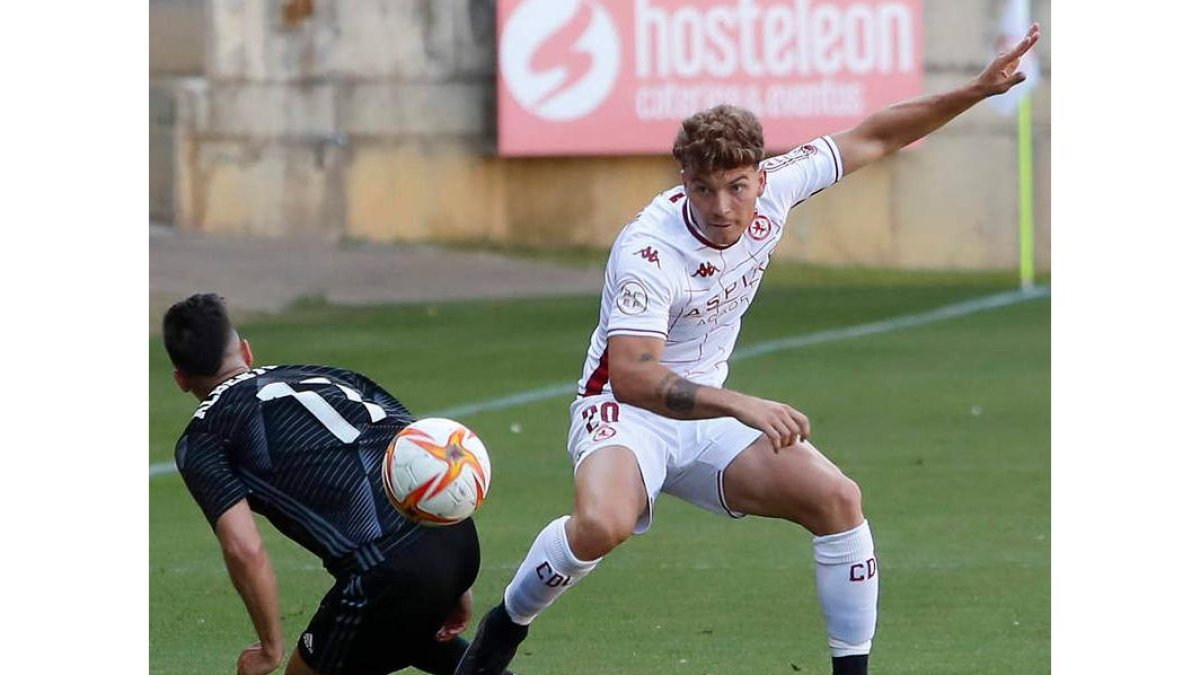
(303,446)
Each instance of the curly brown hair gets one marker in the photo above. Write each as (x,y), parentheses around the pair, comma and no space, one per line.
(718,139)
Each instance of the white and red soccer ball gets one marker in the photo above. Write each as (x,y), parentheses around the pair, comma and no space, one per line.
(436,471)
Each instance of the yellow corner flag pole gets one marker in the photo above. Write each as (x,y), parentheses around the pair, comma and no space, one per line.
(1025,163)
(1025,172)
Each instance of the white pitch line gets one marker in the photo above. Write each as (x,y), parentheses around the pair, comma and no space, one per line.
(770,347)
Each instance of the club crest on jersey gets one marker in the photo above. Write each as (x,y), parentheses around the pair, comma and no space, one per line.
(604,433)
(705,270)
(650,255)
(797,154)
(760,228)
(632,298)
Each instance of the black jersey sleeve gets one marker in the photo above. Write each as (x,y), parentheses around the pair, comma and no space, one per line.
(204,465)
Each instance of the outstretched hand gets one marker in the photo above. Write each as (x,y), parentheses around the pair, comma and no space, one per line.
(1002,74)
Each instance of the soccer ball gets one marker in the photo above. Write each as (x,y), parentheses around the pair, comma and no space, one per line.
(436,471)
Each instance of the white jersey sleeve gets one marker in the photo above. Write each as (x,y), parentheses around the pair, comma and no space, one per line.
(801,173)
(641,275)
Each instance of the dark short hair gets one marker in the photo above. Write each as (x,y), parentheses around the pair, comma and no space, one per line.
(196,332)
(718,139)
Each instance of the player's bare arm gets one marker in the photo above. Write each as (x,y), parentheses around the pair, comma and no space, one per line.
(897,125)
(252,574)
(638,378)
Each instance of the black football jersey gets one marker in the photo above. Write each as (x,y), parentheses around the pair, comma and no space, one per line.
(304,445)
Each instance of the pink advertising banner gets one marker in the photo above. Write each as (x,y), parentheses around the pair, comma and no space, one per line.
(605,77)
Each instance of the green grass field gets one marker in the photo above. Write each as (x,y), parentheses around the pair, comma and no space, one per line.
(945,426)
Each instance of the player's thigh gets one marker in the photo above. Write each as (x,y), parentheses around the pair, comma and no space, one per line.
(609,485)
(326,645)
(297,666)
(620,455)
(797,483)
(375,621)
(706,448)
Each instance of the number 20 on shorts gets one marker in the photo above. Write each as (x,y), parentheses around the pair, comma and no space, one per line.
(608,413)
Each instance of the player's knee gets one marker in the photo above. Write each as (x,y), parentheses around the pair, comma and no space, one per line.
(839,509)
(598,531)
(845,504)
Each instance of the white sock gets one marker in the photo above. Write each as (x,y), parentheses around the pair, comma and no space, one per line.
(848,588)
(549,569)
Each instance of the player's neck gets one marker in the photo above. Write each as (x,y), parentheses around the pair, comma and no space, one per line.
(204,387)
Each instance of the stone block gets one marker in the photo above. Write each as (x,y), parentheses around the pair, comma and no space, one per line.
(271,110)
(235,40)
(177,29)
(266,189)
(1041,200)
(249,40)
(580,200)
(414,109)
(847,224)
(395,40)
(956,204)
(402,192)
(162,156)
(959,34)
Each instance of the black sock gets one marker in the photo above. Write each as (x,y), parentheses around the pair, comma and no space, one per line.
(439,657)
(850,665)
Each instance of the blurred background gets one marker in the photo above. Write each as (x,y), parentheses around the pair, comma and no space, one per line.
(376,120)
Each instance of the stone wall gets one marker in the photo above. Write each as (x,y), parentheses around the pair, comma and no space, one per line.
(375,120)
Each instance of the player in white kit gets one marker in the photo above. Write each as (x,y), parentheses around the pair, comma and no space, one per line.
(651,415)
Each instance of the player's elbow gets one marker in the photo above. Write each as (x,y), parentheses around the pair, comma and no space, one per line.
(631,385)
(864,145)
(622,387)
(244,552)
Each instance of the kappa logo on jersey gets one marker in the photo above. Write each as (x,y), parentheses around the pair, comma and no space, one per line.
(560,58)
(705,270)
(649,254)
(632,299)
(729,298)
(760,228)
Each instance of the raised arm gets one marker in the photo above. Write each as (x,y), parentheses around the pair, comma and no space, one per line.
(254,577)
(639,379)
(897,125)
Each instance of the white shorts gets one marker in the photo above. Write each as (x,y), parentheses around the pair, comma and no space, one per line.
(685,458)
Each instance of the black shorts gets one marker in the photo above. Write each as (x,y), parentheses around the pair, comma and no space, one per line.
(385,619)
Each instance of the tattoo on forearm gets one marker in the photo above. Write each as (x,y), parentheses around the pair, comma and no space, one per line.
(646,357)
(677,393)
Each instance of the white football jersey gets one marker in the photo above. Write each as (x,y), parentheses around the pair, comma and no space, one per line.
(665,279)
